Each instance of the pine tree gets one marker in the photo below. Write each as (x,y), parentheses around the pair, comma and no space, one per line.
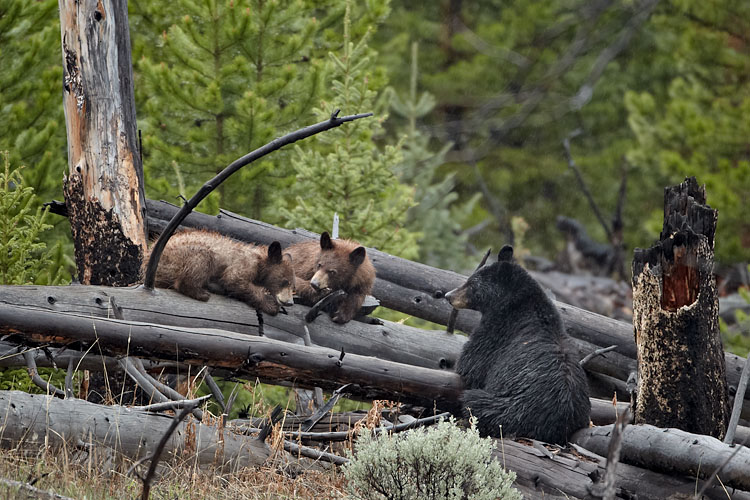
(345,171)
(24,258)
(32,126)
(233,75)
(436,214)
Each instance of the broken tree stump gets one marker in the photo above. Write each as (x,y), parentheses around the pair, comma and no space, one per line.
(682,376)
(104,184)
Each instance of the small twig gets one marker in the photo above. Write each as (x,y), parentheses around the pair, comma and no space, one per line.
(259,315)
(69,377)
(613,455)
(173,405)
(318,392)
(38,381)
(739,398)
(208,187)
(584,188)
(304,451)
(323,409)
(346,435)
(266,428)
(321,304)
(127,365)
(214,388)
(454,312)
(232,398)
(32,492)
(160,447)
(596,353)
(116,309)
(163,388)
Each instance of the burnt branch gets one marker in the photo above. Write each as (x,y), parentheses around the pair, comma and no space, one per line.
(212,184)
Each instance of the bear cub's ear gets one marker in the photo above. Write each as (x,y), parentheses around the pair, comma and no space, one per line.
(325,241)
(274,253)
(505,254)
(357,256)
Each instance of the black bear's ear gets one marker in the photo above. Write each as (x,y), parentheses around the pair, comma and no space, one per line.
(357,256)
(325,241)
(274,253)
(505,254)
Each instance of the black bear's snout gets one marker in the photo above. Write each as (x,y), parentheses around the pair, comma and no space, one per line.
(457,298)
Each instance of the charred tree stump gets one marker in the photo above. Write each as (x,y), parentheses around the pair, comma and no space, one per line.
(682,376)
(104,186)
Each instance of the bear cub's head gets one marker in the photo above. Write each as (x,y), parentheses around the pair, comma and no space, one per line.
(490,284)
(276,274)
(336,264)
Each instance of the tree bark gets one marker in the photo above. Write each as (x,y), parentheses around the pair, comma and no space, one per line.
(37,421)
(104,185)
(682,376)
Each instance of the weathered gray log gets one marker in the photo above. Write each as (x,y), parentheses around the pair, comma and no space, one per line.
(36,421)
(673,451)
(681,369)
(104,185)
(542,476)
(248,356)
(417,289)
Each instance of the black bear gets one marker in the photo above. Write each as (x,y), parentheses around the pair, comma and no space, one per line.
(518,370)
(329,265)
(196,262)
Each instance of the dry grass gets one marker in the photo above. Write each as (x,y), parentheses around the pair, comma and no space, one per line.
(83,477)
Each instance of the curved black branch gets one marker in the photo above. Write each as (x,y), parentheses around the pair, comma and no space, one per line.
(209,186)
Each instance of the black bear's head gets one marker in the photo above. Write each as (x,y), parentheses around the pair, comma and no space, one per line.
(337,264)
(276,274)
(489,284)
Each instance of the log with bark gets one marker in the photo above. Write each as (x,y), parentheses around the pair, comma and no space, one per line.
(37,421)
(681,370)
(104,185)
(390,341)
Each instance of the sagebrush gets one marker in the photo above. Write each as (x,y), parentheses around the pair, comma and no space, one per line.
(441,462)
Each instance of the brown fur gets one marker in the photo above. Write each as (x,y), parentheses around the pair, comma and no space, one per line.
(195,262)
(329,265)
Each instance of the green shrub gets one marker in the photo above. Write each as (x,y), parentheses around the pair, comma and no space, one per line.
(442,462)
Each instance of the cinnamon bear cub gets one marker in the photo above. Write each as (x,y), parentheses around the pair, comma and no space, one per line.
(517,367)
(196,262)
(321,268)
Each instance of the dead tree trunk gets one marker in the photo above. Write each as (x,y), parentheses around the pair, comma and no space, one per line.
(104,186)
(682,376)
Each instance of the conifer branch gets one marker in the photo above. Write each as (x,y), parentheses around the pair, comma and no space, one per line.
(212,184)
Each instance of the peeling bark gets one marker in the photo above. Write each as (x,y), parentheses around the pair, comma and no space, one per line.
(682,376)
(104,185)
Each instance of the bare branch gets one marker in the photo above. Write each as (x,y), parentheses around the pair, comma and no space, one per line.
(738,399)
(38,381)
(212,184)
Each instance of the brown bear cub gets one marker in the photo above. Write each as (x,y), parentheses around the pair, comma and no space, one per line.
(322,268)
(196,262)
(520,373)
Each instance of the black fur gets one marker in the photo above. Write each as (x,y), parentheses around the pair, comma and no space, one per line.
(517,367)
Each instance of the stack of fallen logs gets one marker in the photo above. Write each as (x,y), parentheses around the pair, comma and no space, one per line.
(389,361)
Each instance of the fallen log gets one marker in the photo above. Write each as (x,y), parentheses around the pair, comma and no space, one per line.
(579,474)
(418,289)
(37,421)
(245,355)
(673,451)
(390,341)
